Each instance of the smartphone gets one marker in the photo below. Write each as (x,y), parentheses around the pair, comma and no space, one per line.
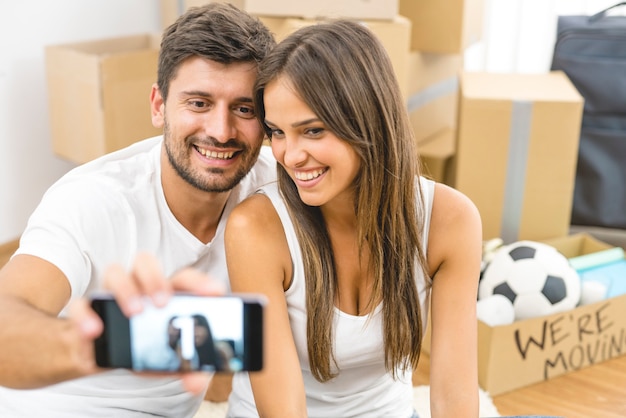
(191,333)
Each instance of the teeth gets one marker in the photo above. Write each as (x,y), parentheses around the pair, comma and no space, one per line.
(216,155)
(309,175)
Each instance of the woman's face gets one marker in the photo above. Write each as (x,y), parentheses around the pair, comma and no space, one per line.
(322,165)
(201,334)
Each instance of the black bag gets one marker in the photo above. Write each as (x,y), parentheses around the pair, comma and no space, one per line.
(591,50)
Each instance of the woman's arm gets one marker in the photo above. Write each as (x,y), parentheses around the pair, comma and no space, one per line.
(454,255)
(259,262)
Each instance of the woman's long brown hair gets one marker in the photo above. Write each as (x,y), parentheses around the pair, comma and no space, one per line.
(343,73)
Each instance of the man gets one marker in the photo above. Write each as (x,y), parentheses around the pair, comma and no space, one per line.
(166,196)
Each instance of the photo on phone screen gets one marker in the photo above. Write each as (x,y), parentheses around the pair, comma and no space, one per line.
(190,333)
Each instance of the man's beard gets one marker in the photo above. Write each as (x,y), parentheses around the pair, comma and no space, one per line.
(217,181)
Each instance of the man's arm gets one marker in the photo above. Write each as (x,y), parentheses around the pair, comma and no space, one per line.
(146,279)
(38,348)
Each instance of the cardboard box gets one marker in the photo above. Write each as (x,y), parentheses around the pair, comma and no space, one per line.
(355,9)
(537,349)
(433,92)
(99,94)
(393,34)
(517,150)
(436,155)
(172,9)
(444,26)
(571,246)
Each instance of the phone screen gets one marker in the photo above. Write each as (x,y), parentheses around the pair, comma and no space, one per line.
(191,333)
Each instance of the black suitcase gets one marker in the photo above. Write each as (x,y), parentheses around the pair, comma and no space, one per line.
(591,50)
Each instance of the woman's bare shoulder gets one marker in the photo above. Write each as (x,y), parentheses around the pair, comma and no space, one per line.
(454,219)
(451,207)
(256,212)
(255,221)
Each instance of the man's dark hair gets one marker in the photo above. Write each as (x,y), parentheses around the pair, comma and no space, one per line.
(216,31)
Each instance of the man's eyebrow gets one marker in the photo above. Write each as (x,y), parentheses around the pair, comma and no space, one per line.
(244,99)
(200,93)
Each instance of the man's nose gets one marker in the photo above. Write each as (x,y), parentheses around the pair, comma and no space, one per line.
(220,124)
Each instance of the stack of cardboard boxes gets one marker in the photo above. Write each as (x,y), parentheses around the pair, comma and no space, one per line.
(507,141)
(441,32)
(283,17)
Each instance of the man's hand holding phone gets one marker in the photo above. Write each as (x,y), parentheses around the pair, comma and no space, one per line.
(146,279)
(131,290)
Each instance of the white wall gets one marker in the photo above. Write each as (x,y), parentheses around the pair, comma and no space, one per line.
(518,37)
(27,164)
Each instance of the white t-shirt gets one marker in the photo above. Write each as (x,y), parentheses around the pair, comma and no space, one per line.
(363,387)
(103,212)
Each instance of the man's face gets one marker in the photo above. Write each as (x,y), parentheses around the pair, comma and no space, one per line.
(211,135)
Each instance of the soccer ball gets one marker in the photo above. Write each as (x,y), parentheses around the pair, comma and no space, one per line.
(535,277)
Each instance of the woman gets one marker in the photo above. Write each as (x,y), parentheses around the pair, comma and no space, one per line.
(197,351)
(351,244)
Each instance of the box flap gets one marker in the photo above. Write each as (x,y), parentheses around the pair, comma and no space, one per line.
(577,244)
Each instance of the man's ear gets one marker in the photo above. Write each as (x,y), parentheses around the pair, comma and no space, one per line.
(157,107)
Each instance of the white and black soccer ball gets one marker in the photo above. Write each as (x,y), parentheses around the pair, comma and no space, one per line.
(535,277)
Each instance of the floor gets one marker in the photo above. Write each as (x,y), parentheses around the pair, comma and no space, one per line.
(598,391)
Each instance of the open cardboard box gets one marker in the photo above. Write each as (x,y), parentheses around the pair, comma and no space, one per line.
(99,94)
(537,349)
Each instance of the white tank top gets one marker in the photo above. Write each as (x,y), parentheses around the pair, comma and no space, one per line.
(363,387)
